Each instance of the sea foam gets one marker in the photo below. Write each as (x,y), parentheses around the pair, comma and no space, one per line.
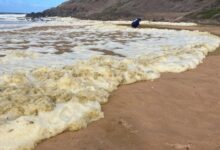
(45,93)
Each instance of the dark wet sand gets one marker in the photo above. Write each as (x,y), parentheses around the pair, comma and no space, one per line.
(175,112)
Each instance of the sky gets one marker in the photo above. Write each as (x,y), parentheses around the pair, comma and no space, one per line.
(26,6)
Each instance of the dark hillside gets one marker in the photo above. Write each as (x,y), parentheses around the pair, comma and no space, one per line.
(159,10)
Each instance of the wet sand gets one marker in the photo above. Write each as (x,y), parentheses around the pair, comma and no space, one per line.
(175,112)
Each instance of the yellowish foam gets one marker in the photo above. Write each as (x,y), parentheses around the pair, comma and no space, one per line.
(49,101)
(34,100)
(46,101)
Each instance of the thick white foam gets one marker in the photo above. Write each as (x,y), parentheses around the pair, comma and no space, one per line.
(84,39)
(52,93)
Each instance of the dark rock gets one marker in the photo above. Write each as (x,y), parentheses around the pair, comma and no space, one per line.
(35,15)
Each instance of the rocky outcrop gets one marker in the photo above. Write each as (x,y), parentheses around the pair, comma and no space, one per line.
(159,10)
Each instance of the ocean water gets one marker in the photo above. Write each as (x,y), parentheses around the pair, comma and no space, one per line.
(12,21)
(55,75)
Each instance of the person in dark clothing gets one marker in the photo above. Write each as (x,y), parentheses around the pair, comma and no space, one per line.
(136,22)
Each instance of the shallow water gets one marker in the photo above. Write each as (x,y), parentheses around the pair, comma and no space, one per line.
(55,76)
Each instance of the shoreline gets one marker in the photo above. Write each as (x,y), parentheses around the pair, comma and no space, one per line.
(177,111)
(213,29)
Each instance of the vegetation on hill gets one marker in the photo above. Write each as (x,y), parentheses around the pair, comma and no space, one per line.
(157,10)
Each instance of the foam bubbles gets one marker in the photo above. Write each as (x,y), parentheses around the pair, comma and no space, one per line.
(45,93)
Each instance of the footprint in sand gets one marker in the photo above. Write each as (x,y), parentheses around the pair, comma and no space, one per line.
(180,146)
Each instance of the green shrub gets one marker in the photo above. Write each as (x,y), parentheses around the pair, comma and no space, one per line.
(209,13)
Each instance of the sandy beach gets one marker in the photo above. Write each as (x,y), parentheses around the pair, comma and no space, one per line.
(178,111)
